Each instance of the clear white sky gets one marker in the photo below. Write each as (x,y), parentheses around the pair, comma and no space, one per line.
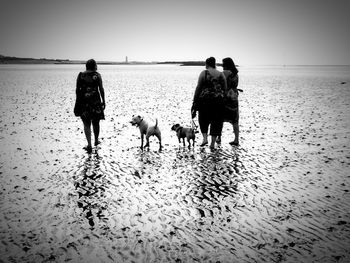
(249,31)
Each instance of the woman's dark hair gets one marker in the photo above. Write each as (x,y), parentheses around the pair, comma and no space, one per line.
(227,63)
(91,64)
(211,62)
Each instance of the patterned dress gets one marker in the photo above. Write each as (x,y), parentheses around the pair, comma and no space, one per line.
(88,84)
(231,101)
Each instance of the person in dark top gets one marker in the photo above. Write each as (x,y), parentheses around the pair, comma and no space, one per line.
(91,97)
(208,101)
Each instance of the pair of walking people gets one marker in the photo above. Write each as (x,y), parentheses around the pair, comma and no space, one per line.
(216,100)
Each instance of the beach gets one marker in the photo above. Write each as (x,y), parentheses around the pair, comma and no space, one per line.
(282,195)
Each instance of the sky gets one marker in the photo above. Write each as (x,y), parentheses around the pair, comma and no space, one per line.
(252,32)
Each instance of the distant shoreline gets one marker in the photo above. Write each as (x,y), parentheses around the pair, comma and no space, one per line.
(37,61)
(17,60)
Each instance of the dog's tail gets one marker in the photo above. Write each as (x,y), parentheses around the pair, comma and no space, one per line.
(155,126)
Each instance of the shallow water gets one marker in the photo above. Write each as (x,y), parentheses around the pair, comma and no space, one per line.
(282,195)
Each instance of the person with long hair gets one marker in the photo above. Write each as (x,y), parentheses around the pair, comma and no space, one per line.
(231,111)
(91,96)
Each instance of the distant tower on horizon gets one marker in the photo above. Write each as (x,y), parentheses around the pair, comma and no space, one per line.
(126,59)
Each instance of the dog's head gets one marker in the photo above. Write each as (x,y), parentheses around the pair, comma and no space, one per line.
(175,127)
(136,120)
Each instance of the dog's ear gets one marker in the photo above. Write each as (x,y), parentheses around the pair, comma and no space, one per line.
(174,127)
(139,116)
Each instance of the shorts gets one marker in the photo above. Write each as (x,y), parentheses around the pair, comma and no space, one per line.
(212,118)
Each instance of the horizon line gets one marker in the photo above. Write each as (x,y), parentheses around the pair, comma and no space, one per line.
(82,61)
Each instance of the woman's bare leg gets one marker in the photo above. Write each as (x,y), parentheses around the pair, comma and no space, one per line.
(205,139)
(87,131)
(212,143)
(96,127)
(236,133)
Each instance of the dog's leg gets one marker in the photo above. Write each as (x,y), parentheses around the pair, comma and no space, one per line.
(147,141)
(189,142)
(142,135)
(160,141)
(183,141)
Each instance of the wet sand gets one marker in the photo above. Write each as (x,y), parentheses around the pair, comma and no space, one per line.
(281,196)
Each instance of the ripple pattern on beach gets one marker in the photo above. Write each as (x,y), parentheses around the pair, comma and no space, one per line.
(282,195)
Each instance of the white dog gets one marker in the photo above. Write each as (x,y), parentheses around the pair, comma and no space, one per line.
(146,129)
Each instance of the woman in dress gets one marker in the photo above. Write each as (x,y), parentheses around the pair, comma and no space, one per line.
(231,113)
(91,97)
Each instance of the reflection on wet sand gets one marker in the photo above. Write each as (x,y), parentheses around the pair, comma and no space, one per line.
(213,181)
(91,186)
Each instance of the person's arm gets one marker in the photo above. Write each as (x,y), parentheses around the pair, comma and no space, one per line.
(224,82)
(77,89)
(201,80)
(102,91)
(235,81)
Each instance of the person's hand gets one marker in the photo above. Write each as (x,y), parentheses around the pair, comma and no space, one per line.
(193,114)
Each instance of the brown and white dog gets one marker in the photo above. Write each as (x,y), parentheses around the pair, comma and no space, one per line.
(146,129)
(183,133)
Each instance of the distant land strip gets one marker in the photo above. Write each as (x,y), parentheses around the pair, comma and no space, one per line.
(18,60)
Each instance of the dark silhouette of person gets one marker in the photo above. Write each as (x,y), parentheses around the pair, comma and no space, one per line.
(90,93)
